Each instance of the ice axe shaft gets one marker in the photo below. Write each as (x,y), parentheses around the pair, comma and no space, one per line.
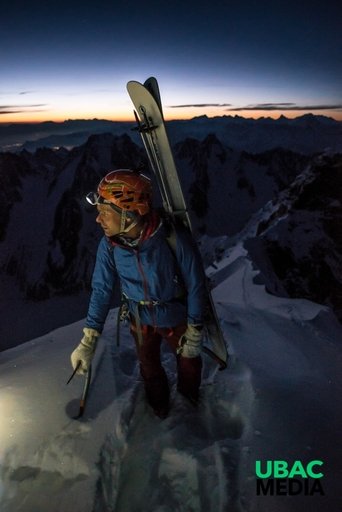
(74,372)
(83,400)
(87,380)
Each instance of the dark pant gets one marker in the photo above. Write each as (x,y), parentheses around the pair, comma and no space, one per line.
(154,376)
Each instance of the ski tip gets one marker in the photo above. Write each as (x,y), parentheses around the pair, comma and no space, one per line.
(132,83)
(150,79)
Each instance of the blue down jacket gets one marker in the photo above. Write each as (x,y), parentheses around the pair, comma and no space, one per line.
(150,272)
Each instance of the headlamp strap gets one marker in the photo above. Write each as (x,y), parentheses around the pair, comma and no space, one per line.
(123,221)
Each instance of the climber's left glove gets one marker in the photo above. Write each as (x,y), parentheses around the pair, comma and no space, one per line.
(190,343)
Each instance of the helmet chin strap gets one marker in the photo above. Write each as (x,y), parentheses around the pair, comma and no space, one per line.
(123,222)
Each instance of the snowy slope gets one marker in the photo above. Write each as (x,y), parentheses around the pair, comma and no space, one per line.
(280,399)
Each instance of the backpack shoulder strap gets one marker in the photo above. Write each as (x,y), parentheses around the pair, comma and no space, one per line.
(172,239)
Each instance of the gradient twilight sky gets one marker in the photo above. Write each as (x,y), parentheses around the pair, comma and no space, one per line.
(72,59)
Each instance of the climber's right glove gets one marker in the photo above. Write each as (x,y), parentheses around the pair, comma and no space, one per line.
(85,351)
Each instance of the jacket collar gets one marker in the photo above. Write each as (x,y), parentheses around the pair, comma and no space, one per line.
(150,228)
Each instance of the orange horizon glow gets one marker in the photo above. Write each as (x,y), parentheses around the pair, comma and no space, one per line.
(169,115)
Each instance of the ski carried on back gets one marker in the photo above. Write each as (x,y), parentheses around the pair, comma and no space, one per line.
(151,126)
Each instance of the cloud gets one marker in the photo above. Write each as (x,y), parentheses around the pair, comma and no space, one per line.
(262,106)
(20,93)
(19,109)
(201,105)
(285,106)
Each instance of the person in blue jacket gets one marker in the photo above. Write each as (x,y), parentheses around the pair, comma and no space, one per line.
(164,286)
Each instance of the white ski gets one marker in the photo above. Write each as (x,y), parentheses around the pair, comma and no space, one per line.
(149,116)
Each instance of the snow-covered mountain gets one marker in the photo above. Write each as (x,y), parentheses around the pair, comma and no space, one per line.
(48,234)
(224,187)
(48,237)
(15,137)
(305,134)
(298,245)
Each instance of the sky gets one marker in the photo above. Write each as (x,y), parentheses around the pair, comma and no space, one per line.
(72,59)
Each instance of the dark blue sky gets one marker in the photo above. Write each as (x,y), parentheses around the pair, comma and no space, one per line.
(72,59)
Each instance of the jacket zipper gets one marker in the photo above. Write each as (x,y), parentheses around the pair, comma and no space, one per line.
(145,287)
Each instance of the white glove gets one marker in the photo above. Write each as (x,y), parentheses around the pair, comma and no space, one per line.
(190,343)
(85,350)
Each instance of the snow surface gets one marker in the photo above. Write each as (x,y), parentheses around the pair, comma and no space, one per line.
(279,399)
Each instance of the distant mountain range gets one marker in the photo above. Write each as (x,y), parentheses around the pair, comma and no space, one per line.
(305,134)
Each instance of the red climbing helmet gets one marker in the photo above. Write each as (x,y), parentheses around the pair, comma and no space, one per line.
(128,190)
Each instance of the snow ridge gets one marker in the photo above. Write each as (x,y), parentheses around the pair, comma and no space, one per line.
(145,462)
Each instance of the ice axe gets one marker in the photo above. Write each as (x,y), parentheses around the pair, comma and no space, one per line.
(84,396)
